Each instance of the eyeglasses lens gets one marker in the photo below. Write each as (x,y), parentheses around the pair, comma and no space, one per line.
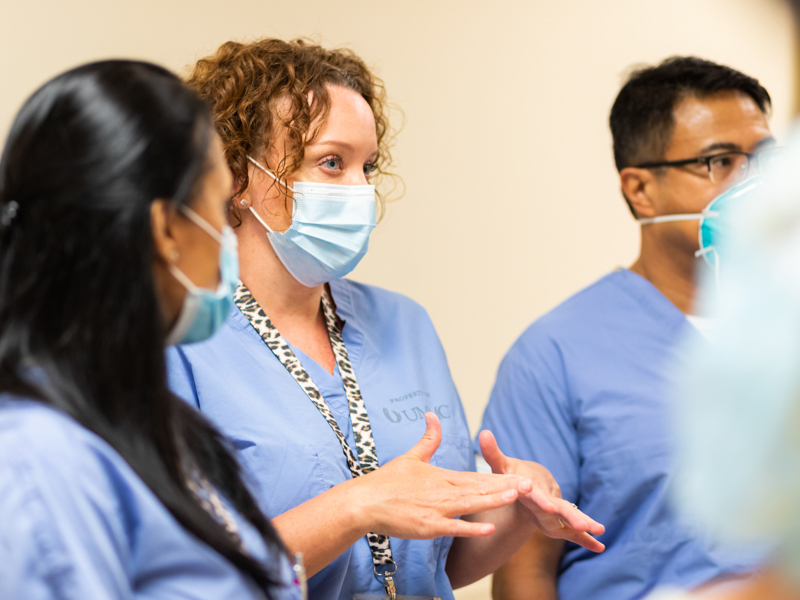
(728,168)
(774,161)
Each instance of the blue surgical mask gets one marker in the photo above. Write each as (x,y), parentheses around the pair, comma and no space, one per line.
(204,311)
(330,229)
(714,220)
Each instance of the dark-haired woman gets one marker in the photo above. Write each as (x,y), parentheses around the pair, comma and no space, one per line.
(113,240)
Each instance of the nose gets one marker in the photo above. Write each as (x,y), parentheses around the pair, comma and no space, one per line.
(356,176)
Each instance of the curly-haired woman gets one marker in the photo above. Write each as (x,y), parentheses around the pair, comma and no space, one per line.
(326,386)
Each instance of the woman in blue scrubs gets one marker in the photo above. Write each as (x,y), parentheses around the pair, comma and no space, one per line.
(319,380)
(113,239)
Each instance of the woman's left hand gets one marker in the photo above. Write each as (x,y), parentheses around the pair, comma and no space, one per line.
(554,516)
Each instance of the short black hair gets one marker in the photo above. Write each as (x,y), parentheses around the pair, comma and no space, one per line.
(642,116)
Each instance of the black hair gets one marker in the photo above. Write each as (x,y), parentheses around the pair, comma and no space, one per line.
(86,156)
(642,120)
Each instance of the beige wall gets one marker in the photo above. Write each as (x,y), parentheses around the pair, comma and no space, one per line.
(512,202)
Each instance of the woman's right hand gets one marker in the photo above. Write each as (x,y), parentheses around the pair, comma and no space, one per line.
(412,499)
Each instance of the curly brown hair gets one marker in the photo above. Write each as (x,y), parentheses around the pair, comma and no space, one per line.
(242,83)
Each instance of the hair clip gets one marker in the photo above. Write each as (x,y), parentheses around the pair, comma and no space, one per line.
(7,213)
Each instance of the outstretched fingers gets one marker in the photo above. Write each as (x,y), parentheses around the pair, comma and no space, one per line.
(572,515)
(567,522)
(474,503)
(462,528)
(582,539)
(485,483)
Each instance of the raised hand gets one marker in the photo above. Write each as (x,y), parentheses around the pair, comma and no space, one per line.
(554,516)
(409,498)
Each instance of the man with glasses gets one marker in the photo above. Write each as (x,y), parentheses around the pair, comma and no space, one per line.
(584,391)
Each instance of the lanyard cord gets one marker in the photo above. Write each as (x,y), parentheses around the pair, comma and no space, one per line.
(367,460)
(211,502)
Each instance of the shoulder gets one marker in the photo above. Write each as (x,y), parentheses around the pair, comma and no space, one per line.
(42,432)
(70,503)
(592,302)
(582,315)
(58,457)
(375,303)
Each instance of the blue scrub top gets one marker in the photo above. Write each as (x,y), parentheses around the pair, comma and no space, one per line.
(77,523)
(585,392)
(288,448)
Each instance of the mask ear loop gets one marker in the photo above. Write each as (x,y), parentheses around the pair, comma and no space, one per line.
(711,250)
(201,223)
(260,220)
(268,172)
(286,185)
(708,214)
(670,218)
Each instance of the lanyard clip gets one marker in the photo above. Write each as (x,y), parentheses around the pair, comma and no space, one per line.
(388,585)
(300,575)
(388,582)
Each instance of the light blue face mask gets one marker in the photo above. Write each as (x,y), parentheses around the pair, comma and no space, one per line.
(204,311)
(714,220)
(330,229)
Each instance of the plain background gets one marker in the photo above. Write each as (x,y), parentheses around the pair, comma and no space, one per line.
(512,200)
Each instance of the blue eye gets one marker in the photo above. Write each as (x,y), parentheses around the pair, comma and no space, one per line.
(370,168)
(334,164)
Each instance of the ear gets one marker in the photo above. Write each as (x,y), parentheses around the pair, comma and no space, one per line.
(162,215)
(636,185)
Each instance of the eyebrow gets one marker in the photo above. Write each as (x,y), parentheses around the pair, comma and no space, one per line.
(340,144)
(334,143)
(731,147)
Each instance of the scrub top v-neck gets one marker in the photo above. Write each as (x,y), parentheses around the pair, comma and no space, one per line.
(288,449)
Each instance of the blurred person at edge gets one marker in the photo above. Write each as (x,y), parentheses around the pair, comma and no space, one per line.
(739,398)
(584,391)
(113,188)
(325,385)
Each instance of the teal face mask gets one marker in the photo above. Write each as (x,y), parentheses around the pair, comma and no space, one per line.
(204,311)
(714,220)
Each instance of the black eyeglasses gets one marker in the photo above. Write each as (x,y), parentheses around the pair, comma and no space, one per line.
(726,166)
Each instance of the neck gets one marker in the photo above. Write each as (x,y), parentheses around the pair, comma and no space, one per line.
(669,269)
(288,303)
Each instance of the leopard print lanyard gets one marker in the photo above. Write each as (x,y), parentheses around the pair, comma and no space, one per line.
(211,502)
(367,460)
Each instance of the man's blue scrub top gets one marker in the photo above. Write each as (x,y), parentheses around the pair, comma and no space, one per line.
(76,523)
(290,451)
(584,391)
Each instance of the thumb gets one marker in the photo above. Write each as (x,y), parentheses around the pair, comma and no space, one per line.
(424,449)
(491,452)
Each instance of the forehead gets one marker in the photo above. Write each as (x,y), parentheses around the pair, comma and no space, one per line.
(726,118)
(349,117)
